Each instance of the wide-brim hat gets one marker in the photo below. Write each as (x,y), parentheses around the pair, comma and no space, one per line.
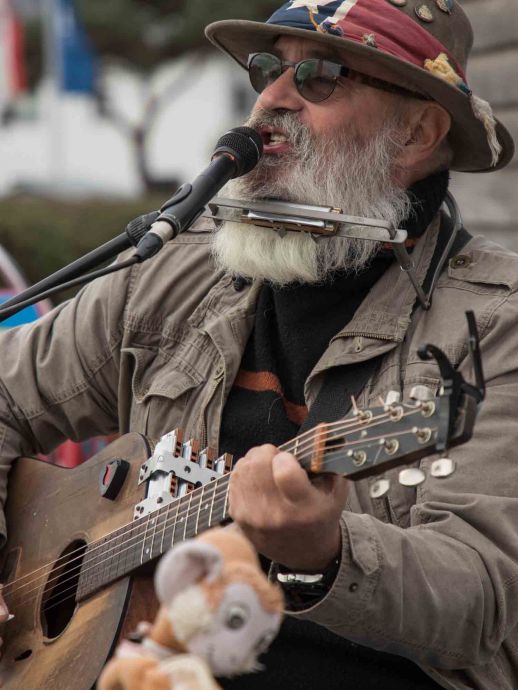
(421,45)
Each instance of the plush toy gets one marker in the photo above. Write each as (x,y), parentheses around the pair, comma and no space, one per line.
(218,613)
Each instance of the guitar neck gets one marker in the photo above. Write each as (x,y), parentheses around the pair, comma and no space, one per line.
(130,547)
(127,549)
(363,445)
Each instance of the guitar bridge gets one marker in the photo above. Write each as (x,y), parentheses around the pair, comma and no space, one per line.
(175,469)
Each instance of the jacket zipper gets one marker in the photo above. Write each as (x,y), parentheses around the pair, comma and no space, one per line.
(203,433)
(360,334)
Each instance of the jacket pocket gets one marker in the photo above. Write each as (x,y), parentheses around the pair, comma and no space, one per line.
(162,391)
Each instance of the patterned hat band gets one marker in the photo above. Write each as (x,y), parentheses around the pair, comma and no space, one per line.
(390,31)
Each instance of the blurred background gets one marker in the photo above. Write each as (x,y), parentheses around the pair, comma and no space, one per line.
(106,105)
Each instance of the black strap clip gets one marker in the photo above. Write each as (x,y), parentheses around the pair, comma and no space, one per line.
(454,386)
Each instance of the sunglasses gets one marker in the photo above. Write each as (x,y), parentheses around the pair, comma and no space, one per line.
(315,79)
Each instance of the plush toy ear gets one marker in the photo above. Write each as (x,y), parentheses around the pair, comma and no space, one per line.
(184,565)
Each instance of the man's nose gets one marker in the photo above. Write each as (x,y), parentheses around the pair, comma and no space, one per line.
(281,94)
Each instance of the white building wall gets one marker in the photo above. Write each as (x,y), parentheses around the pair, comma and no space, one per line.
(68,146)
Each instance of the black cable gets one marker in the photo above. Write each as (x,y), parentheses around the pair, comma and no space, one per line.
(112,268)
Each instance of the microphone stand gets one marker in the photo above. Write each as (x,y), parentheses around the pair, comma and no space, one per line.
(134,232)
(10,311)
(236,153)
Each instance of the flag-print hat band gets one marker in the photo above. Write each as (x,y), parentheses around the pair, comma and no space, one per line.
(422,45)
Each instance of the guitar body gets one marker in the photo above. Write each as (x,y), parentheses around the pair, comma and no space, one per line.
(55,644)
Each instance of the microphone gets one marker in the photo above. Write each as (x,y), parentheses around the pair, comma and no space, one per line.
(237,153)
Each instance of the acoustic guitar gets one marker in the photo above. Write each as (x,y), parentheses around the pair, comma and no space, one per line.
(79,538)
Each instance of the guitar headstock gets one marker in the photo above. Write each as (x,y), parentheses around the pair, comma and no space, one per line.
(369,442)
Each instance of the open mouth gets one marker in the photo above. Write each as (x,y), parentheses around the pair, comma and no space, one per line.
(274,140)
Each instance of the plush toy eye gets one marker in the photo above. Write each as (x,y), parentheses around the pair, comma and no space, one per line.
(236,617)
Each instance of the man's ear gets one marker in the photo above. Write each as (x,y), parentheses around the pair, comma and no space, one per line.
(426,127)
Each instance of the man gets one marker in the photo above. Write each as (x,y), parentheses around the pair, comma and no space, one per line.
(363,105)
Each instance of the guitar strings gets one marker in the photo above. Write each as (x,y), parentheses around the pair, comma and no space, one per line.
(72,589)
(157,525)
(317,432)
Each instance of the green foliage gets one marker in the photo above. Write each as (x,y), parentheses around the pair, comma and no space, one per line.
(146,32)
(43,235)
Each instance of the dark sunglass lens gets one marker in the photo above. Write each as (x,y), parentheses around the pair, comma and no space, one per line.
(315,80)
(263,69)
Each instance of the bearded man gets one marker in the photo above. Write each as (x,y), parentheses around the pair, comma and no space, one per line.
(363,105)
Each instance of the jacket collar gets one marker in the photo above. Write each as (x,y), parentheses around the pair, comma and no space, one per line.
(386,311)
(382,319)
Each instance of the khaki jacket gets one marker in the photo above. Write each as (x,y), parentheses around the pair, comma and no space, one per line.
(428,573)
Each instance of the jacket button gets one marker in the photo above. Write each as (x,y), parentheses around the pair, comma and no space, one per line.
(460,261)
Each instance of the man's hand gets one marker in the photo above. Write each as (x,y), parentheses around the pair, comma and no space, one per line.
(288,518)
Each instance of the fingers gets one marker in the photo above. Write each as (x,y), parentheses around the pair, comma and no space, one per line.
(286,516)
(290,479)
(251,483)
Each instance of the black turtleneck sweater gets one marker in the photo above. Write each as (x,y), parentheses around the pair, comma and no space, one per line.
(292,329)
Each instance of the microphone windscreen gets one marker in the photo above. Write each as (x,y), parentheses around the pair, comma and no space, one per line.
(245,145)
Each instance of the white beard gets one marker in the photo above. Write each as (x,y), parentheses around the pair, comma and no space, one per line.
(357,179)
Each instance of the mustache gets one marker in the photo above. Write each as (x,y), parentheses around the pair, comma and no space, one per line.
(298,134)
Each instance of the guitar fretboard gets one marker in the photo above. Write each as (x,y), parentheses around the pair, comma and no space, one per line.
(354,447)
(131,546)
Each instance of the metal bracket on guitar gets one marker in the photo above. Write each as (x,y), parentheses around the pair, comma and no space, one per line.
(166,460)
(175,469)
(454,385)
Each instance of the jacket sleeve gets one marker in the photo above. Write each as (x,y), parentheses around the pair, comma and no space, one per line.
(58,375)
(443,591)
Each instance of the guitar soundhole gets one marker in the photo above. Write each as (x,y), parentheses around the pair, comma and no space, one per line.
(24,655)
(59,598)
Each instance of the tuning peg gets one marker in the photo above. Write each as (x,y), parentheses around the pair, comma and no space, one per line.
(412,476)
(421,393)
(443,467)
(379,488)
(361,415)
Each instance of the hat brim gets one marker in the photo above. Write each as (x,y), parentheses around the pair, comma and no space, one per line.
(468,137)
